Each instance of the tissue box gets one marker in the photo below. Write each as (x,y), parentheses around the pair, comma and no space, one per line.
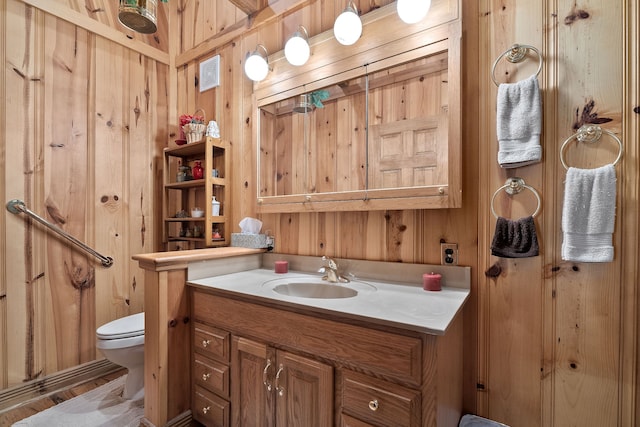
(245,240)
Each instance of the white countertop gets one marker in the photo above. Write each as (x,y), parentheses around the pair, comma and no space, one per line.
(401,305)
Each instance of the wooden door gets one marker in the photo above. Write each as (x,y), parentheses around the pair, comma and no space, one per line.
(252,383)
(409,153)
(304,390)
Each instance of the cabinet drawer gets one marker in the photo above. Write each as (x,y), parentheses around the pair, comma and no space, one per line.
(379,402)
(212,342)
(211,375)
(209,409)
(347,421)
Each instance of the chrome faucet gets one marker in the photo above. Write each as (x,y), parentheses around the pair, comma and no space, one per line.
(331,272)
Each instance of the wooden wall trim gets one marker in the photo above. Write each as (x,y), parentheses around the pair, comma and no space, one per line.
(3,186)
(240,28)
(63,12)
(629,374)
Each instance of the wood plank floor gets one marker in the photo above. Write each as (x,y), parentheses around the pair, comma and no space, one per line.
(39,404)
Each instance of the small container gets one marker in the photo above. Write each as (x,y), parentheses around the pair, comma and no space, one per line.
(431,281)
(184,174)
(197,212)
(215,207)
(198,172)
(281,267)
(214,173)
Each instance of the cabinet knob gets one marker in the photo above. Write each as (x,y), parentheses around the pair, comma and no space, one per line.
(206,376)
(373,405)
(206,409)
(205,343)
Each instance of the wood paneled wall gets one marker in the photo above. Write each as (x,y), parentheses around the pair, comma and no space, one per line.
(547,342)
(85,119)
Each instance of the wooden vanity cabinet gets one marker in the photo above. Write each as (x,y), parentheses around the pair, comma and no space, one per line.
(291,366)
(278,388)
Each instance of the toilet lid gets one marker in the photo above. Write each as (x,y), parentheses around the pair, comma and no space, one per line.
(130,326)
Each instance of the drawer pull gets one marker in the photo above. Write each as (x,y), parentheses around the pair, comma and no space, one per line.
(206,409)
(374,405)
(205,343)
(206,376)
(279,389)
(265,376)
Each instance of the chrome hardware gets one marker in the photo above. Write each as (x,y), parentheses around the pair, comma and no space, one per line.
(331,272)
(16,206)
(206,409)
(265,381)
(279,389)
(205,343)
(515,54)
(590,134)
(206,376)
(514,186)
(374,405)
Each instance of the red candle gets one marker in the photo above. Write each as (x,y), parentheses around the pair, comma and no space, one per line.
(431,281)
(282,267)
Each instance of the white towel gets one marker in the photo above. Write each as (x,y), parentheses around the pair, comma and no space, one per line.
(588,214)
(519,123)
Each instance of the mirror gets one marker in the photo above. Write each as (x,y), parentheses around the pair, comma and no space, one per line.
(385,135)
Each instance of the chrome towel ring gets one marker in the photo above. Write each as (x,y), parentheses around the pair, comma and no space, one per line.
(589,133)
(515,54)
(514,186)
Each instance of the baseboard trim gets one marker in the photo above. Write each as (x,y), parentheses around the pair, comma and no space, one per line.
(182,420)
(17,395)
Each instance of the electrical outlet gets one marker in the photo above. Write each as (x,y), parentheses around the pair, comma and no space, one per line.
(449,253)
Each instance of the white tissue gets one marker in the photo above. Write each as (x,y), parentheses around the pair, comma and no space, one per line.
(250,225)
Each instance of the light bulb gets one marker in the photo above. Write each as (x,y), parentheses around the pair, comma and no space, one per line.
(297,50)
(412,11)
(348,26)
(256,66)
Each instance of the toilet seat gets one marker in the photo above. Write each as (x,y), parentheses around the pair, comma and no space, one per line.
(126,327)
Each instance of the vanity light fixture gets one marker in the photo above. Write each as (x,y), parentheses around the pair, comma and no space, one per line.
(256,65)
(348,26)
(412,11)
(297,49)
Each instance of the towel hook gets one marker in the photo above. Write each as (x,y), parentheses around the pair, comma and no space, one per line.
(514,186)
(515,54)
(589,133)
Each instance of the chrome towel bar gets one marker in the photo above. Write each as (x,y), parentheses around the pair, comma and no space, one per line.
(16,206)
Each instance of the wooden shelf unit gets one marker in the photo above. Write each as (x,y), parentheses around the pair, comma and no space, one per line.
(185,195)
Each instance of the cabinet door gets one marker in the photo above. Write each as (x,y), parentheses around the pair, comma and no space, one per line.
(252,383)
(304,390)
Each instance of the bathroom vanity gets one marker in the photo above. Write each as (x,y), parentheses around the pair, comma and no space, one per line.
(390,354)
(222,346)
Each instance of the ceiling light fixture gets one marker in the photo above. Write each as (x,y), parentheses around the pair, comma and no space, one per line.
(297,50)
(348,26)
(256,65)
(412,11)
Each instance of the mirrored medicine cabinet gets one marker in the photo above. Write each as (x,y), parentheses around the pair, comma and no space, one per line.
(385,135)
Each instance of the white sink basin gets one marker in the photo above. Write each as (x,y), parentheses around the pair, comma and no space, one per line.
(312,287)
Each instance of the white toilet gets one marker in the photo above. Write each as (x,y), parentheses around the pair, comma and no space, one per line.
(122,342)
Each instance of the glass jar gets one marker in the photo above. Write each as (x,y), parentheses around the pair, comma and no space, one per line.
(184,174)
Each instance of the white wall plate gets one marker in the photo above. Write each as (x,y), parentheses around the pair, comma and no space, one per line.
(210,73)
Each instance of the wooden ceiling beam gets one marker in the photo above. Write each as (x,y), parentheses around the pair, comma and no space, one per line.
(249,6)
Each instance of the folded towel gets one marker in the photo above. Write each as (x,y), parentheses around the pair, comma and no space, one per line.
(588,214)
(519,123)
(515,239)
